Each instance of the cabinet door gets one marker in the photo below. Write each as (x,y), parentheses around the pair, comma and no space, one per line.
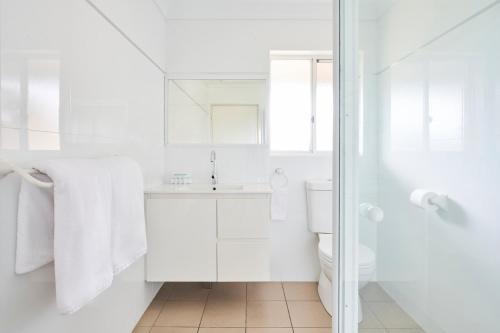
(243,218)
(181,240)
(243,260)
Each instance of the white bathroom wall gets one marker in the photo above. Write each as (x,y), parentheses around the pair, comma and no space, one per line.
(142,22)
(410,25)
(439,124)
(240,48)
(247,9)
(74,85)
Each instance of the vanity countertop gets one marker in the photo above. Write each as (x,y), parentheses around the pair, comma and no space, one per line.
(255,188)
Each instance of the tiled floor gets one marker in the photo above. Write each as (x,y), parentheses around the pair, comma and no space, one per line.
(270,307)
(267,307)
(382,314)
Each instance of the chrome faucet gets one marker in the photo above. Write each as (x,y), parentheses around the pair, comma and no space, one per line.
(213,161)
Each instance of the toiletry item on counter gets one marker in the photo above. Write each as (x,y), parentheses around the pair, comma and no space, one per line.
(181,178)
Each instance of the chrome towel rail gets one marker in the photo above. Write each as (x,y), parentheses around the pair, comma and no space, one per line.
(7,168)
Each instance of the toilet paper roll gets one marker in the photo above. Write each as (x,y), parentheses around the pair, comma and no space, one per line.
(423,198)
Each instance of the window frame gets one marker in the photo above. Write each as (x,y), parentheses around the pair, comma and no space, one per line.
(315,58)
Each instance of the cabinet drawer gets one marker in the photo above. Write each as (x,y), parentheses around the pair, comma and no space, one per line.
(181,240)
(243,218)
(243,260)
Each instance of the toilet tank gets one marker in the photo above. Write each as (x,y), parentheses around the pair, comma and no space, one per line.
(319,205)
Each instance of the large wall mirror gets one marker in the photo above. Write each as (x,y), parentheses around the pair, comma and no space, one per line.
(225,111)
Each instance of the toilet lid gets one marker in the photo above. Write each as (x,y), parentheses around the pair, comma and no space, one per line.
(366,256)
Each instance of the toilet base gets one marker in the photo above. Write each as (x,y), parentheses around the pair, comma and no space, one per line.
(325,292)
(325,295)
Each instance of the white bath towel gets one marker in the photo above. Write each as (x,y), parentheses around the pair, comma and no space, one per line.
(279,204)
(35,227)
(128,229)
(95,215)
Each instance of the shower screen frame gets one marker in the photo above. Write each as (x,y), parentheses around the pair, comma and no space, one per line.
(345,224)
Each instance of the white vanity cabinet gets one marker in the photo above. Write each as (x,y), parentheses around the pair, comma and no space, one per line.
(197,234)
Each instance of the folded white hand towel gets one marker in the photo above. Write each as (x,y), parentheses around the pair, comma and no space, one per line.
(96,213)
(279,204)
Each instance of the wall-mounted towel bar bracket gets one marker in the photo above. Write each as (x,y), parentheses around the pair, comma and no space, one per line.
(7,168)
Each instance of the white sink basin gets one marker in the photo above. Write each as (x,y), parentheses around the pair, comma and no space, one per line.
(208,188)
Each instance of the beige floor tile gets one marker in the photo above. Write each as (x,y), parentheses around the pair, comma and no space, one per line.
(181,313)
(151,314)
(228,291)
(188,291)
(267,314)
(391,315)
(141,329)
(373,292)
(301,291)
(312,330)
(224,314)
(265,291)
(164,292)
(174,330)
(369,319)
(222,330)
(372,330)
(270,330)
(309,314)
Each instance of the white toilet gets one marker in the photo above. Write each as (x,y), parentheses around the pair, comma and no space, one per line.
(319,216)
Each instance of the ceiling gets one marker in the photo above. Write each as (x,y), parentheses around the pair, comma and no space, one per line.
(265,9)
(246,9)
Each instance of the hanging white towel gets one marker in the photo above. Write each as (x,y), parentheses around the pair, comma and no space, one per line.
(128,229)
(35,227)
(95,215)
(279,204)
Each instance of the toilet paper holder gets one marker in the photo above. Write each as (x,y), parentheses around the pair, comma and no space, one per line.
(371,212)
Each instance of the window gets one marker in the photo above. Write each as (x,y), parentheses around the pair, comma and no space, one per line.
(301,104)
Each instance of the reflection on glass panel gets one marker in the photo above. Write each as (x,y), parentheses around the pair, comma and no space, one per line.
(43,140)
(43,104)
(9,138)
(324,106)
(290,104)
(10,107)
(497,114)
(407,107)
(216,111)
(446,106)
